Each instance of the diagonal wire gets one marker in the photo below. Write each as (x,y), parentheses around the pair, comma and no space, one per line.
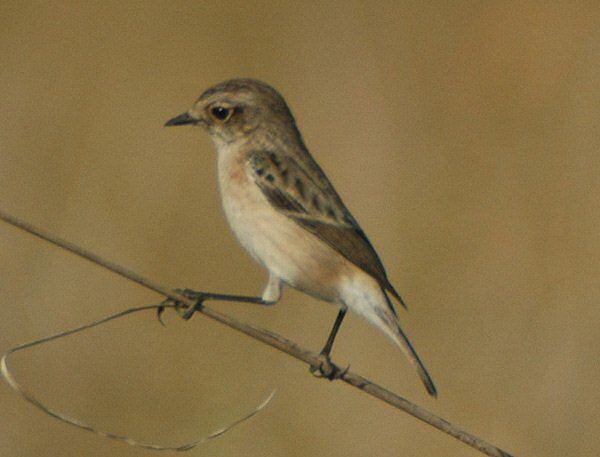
(274,340)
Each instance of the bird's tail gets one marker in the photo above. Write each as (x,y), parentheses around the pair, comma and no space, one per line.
(402,340)
(382,316)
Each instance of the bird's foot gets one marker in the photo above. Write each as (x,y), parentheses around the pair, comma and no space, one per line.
(183,310)
(327,369)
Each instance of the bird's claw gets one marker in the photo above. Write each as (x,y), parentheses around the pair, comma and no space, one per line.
(160,310)
(183,310)
(327,369)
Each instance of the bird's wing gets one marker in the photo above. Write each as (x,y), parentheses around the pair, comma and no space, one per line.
(309,199)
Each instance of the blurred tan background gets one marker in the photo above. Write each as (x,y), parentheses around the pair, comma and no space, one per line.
(465,138)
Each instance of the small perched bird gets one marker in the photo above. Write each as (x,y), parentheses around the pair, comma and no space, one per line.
(287,214)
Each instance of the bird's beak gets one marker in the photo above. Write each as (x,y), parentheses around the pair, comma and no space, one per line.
(182,119)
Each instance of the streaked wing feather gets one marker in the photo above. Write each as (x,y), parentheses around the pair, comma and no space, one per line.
(313,204)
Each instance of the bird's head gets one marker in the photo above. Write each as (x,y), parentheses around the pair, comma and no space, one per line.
(237,108)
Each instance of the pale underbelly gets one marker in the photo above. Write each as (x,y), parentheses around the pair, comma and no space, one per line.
(287,250)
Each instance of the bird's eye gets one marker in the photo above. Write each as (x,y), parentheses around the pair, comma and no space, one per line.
(221,113)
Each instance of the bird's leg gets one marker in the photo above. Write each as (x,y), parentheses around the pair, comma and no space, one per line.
(326,351)
(270,296)
(201,297)
(327,369)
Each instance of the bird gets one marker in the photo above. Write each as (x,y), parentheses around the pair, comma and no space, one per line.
(286,213)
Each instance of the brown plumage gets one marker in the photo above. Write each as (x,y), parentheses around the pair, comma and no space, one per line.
(287,214)
(311,201)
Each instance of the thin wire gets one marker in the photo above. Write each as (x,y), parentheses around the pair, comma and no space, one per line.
(12,382)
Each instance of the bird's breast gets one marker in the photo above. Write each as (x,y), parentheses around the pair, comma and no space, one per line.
(286,249)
